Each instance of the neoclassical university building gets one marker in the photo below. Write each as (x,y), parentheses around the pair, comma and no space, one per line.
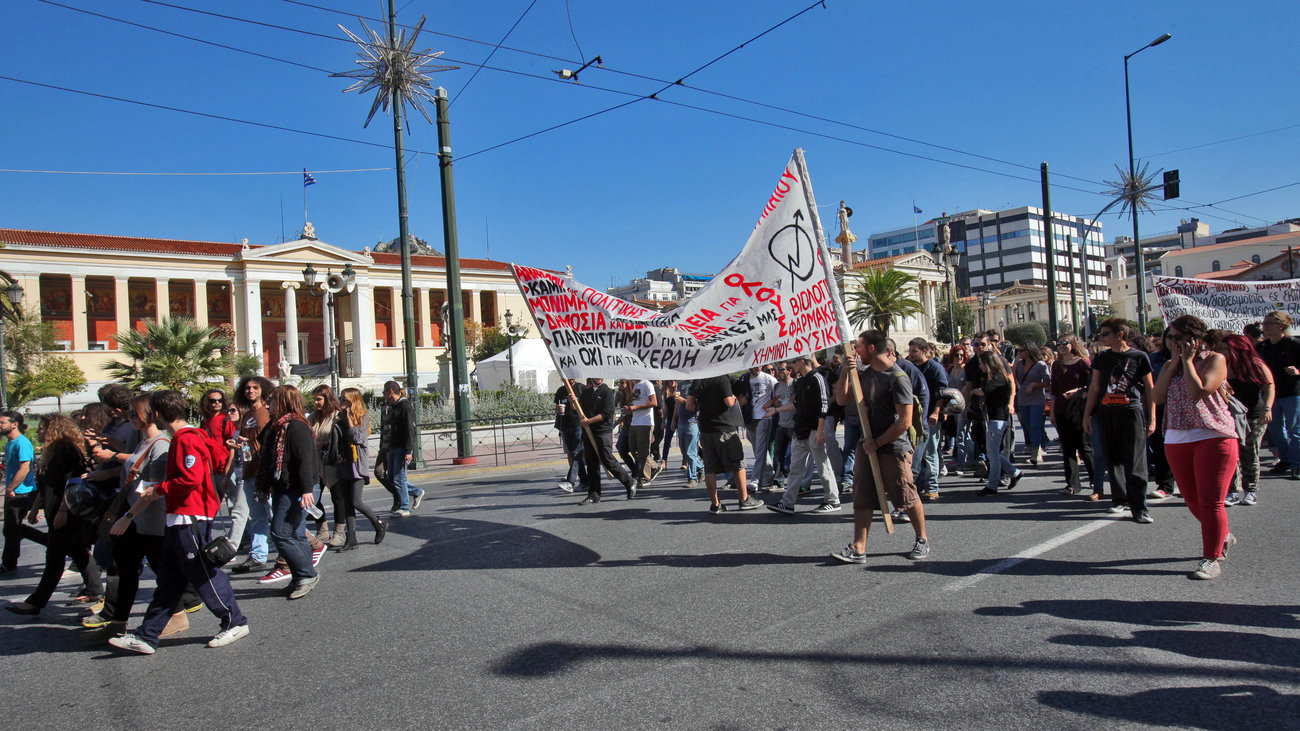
(92,286)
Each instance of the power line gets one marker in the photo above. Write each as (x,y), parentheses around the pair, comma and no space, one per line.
(189,174)
(1220,142)
(490,55)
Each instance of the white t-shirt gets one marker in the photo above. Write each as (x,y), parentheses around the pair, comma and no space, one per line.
(641,394)
(760,392)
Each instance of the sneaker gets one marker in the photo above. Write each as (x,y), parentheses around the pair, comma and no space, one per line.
(898,516)
(779,507)
(277,574)
(566,486)
(692,483)
(1015,479)
(718,508)
(1207,569)
(920,549)
(251,565)
(1144,517)
(589,500)
(317,553)
(826,508)
(930,495)
(805,488)
(1233,498)
(988,491)
(943,470)
(1228,543)
(1281,468)
(631,489)
(95,621)
(401,513)
(229,635)
(1250,499)
(133,643)
(303,588)
(751,503)
(415,502)
(176,624)
(1117,509)
(848,555)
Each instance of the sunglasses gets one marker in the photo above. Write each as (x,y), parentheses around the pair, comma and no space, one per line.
(1104,333)
(216,401)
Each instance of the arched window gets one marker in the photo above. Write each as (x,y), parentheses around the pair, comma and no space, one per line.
(1254,259)
(1178,271)
(1215,266)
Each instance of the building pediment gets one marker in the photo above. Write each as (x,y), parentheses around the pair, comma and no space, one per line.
(303,251)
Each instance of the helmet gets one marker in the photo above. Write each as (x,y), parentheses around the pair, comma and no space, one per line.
(953,402)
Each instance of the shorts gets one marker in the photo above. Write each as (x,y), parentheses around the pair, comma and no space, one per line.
(895,470)
(721,451)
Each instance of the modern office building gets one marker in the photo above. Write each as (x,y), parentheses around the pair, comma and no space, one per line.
(666,284)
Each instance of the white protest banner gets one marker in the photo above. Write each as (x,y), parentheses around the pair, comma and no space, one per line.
(1229,305)
(775,300)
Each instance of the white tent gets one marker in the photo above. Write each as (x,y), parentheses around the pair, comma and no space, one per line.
(534,369)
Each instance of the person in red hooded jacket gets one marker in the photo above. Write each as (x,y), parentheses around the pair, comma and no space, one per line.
(191,503)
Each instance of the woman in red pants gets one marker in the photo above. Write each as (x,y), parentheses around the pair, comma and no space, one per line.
(1200,435)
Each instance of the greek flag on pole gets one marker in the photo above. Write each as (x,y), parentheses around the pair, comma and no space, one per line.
(915,209)
(307,179)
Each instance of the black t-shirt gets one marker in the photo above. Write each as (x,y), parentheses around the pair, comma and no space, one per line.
(710,397)
(570,419)
(997,397)
(1122,376)
(599,401)
(1278,357)
(884,391)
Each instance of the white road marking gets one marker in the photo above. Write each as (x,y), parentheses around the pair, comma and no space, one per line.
(1028,553)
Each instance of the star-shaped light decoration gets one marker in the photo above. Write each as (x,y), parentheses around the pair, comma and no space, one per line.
(393,69)
(1134,192)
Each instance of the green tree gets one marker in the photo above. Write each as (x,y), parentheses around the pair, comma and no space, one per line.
(62,375)
(962,314)
(1023,332)
(27,339)
(880,296)
(1156,326)
(491,342)
(173,354)
(24,388)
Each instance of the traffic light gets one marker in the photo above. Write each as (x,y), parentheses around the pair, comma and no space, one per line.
(1171,184)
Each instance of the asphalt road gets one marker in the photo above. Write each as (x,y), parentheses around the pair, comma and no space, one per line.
(503,604)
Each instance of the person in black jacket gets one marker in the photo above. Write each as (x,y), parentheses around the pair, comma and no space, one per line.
(598,403)
(812,400)
(399,425)
(289,469)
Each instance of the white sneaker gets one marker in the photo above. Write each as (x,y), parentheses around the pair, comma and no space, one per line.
(1117,509)
(229,635)
(566,486)
(132,642)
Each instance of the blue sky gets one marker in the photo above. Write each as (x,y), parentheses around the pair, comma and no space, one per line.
(654,183)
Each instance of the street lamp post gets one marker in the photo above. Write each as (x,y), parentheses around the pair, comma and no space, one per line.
(512,330)
(15,293)
(328,288)
(985,300)
(1132,174)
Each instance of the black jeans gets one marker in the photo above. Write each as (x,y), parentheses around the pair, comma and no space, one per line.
(1075,447)
(72,541)
(1124,437)
(349,494)
(782,436)
(15,529)
(600,456)
(572,438)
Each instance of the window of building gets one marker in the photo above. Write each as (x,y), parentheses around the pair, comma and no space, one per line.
(1215,266)
(1254,259)
(1178,271)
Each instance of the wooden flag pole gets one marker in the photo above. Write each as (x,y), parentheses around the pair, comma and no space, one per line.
(865,417)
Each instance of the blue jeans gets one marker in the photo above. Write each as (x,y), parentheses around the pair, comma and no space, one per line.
(395,461)
(1031,421)
(1284,430)
(998,462)
(258,527)
(760,437)
(571,436)
(852,435)
(688,440)
(926,469)
(289,531)
(963,452)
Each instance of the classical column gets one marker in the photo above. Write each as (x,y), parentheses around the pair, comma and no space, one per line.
(475,307)
(122,303)
(80,327)
(162,299)
(363,328)
(421,306)
(399,317)
(251,330)
(201,302)
(291,324)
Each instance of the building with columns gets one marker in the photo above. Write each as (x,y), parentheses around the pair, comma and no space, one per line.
(92,287)
(928,287)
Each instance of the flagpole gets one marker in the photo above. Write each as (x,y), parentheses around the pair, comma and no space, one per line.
(304,197)
(842,318)
(916,228)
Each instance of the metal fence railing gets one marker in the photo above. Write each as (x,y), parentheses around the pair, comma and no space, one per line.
(499,438)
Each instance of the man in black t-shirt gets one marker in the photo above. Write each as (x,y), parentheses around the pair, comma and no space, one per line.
(598,403)
(720,447)
(1281,353)
(569,421)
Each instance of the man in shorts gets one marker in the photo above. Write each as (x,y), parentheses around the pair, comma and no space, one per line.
(720,448)
(887,392)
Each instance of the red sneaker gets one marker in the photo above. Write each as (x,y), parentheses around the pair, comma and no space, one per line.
(277,574)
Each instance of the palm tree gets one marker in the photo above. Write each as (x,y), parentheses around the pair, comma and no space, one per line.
(882,295)
(172,354)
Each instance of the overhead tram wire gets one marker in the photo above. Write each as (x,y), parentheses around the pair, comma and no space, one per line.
(189,174)
(667,84)
(1220,142)
(495,48)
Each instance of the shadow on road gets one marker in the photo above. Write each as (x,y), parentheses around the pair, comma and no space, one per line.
(1193,707)
(1157,613)
(1043,567)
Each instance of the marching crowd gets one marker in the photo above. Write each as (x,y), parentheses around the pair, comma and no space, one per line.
(129,480)
(1184,413)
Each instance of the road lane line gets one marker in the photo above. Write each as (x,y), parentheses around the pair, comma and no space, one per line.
(1031,552)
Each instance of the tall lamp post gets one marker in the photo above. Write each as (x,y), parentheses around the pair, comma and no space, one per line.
(1132,174)
(15,294)
(333,284)
(512,331)
(985,300)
